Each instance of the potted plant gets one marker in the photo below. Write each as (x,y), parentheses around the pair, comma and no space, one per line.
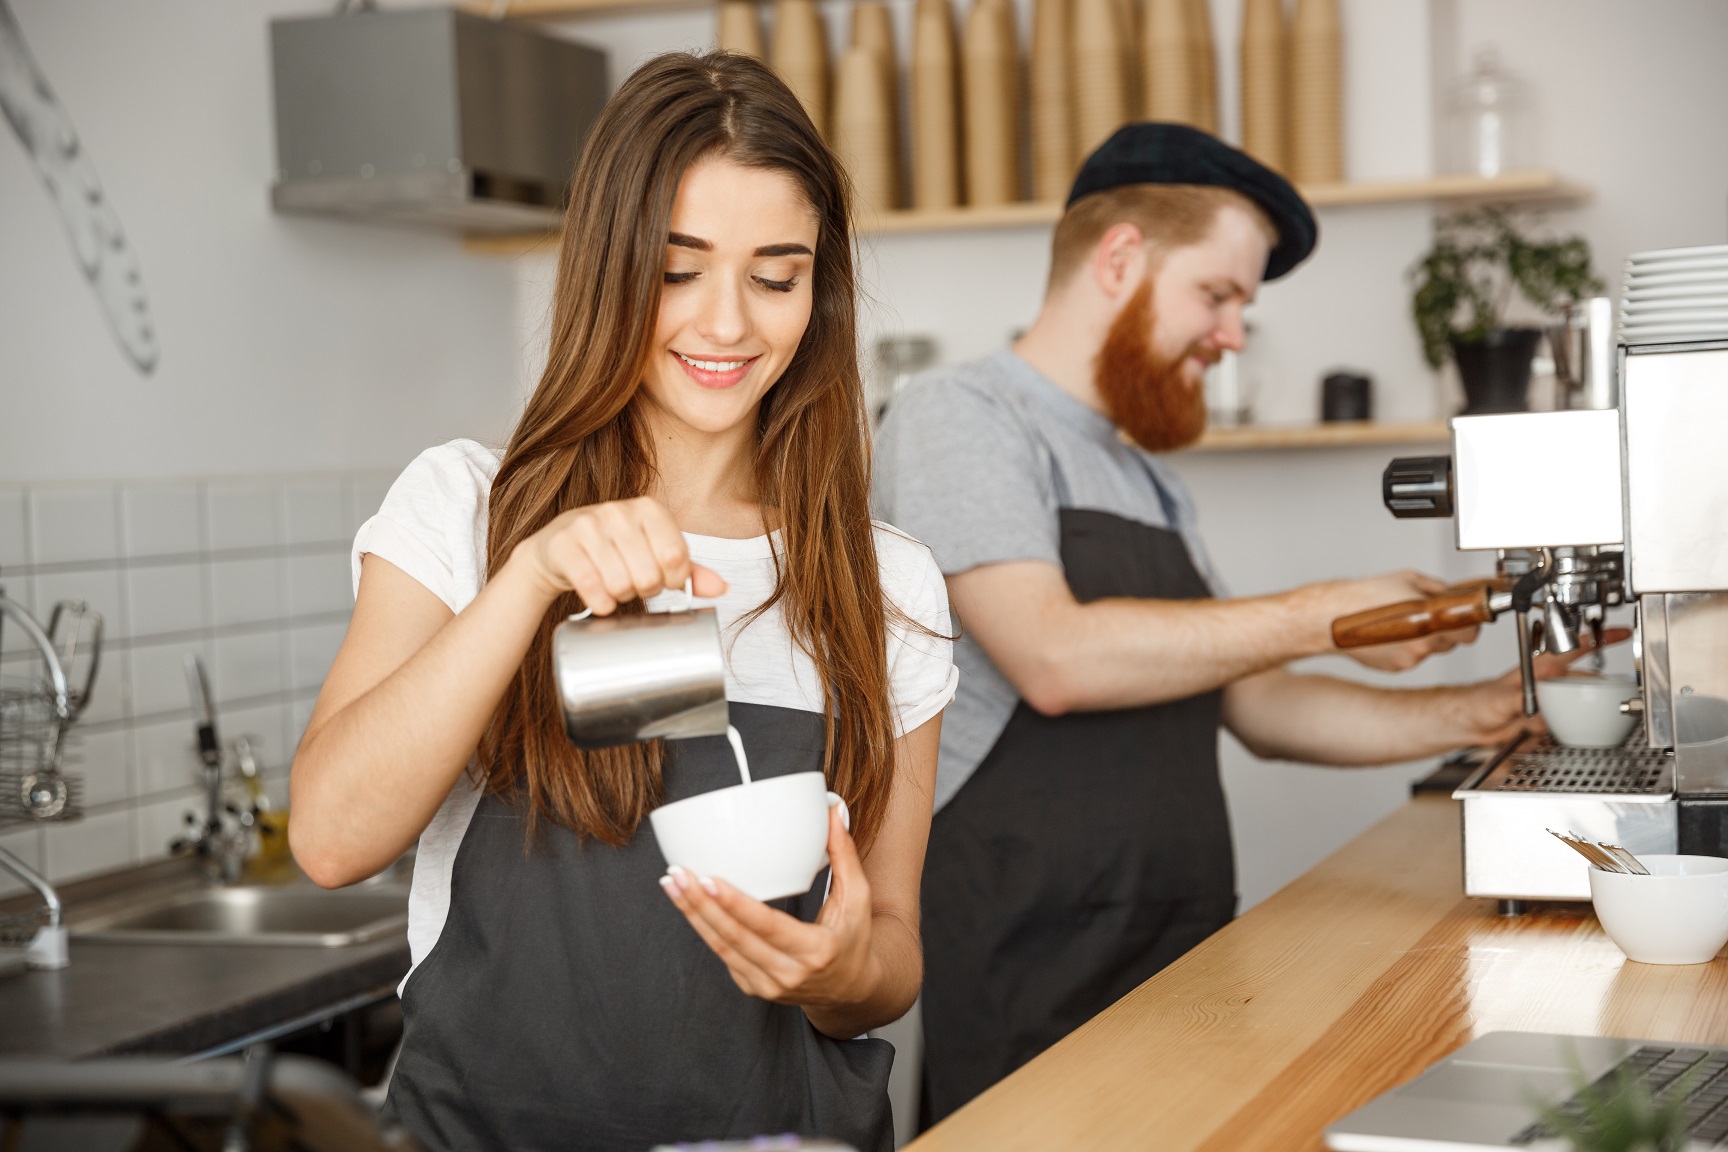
(1464,285)
(1621,1114)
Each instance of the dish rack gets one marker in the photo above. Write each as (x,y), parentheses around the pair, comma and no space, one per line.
(37,710)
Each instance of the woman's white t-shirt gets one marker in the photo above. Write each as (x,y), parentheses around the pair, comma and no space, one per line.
(432,526)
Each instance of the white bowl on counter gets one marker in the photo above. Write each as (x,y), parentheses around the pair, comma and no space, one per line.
(1676,915)
(1584,711)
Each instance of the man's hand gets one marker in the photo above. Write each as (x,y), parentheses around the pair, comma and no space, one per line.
(1313,719)
(1345,597)
(1493,711)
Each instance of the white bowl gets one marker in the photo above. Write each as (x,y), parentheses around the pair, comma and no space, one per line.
(767,839)
(1584,711)
(1676,915)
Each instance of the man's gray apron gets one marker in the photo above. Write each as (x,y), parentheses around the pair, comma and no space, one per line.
(1087,852)
(569,1005)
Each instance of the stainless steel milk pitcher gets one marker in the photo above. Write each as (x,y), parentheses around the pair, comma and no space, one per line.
(659,675)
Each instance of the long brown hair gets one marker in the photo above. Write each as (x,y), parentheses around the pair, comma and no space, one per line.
(582,439)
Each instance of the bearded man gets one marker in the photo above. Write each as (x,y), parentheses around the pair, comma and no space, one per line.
(1081,841)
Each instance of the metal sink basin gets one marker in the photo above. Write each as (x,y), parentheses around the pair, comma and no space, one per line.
(293,915)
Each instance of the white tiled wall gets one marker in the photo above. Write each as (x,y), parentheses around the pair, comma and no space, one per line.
(252,575)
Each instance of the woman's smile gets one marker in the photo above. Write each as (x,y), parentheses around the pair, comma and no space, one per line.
(715,371)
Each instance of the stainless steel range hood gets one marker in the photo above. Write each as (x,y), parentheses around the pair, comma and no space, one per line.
(429,116)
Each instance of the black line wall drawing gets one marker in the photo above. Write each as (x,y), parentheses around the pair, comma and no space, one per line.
(46,132)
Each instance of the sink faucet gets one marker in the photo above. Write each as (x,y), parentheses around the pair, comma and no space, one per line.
(223,847)
(47,948)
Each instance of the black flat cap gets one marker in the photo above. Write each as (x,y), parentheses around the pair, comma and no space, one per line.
(1152,153)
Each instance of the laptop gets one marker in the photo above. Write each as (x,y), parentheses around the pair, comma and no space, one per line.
(1490,1093)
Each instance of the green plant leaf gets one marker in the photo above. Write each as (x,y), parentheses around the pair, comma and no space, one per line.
(1462,286)
(1621,1114)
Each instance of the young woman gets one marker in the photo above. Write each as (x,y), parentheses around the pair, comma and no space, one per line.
(701,419)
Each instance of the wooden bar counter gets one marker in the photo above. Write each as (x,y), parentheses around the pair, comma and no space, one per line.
(1347,982)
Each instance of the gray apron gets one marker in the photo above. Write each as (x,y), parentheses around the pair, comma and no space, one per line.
(569,1005)
(1087,851)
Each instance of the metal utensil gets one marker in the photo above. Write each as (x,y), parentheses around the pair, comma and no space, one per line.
(1597,857)
(623,679)
(1631,863)
(1607,857)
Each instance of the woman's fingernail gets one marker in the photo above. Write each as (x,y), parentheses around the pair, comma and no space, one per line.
(710,887)
(679,877)
(667,885)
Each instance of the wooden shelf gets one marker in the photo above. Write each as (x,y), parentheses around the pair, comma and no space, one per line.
(1537,186)
(552,9)
(1353,434)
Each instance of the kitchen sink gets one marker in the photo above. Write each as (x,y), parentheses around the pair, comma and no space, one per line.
(287,915)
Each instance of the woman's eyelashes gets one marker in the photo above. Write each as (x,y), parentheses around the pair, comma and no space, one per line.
(766,282)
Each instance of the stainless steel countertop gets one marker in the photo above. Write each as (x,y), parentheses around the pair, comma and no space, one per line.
(178,998)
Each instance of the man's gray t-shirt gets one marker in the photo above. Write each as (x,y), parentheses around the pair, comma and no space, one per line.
(978,461)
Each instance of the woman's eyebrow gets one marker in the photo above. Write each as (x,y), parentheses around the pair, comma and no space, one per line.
(680,240)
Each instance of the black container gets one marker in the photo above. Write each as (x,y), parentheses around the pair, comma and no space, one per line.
(1495,370)
(1346,396)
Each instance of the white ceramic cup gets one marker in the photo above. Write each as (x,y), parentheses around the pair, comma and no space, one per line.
(1676,915)
(767,839)
(1584,711)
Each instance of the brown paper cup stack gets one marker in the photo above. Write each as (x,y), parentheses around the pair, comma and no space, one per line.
(1204,68)
(935,115)
(1052,106)
(991,104)
(1100,85)
(1264,89)
(799,53)
(736,27)
(1166,62)
(1128,21)
(873,28)
(1317,93)
(864,127)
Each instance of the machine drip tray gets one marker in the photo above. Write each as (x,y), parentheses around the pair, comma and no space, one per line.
(1539,765)
(1621,796)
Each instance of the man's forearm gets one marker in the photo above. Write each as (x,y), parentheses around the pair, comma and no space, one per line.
(1065,656)
(1324,720)
(1130,653)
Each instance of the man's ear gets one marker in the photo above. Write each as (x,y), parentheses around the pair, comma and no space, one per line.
(1119,260)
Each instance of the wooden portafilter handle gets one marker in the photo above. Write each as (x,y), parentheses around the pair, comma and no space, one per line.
(1457,607)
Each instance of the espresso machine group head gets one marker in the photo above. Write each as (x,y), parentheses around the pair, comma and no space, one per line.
(1619,498)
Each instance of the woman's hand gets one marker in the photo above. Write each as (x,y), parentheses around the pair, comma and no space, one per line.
(828,963)
(612,553)
(1494,709)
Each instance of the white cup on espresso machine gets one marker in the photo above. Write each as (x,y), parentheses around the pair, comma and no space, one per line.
(654,675)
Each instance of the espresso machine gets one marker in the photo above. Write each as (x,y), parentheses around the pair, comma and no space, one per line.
(1620,497)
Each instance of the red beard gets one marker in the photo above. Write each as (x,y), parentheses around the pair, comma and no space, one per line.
(1147,395)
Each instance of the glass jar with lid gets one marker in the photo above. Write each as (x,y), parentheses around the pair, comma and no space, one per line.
(1489,121)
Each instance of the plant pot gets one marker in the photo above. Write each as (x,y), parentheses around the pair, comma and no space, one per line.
(1495,370)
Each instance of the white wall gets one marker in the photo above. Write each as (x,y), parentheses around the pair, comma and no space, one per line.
(287,344)
(1632,99)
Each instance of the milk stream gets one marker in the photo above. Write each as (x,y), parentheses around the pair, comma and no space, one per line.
(738,751)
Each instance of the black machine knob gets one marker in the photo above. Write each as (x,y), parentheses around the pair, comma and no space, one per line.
(1418,486)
